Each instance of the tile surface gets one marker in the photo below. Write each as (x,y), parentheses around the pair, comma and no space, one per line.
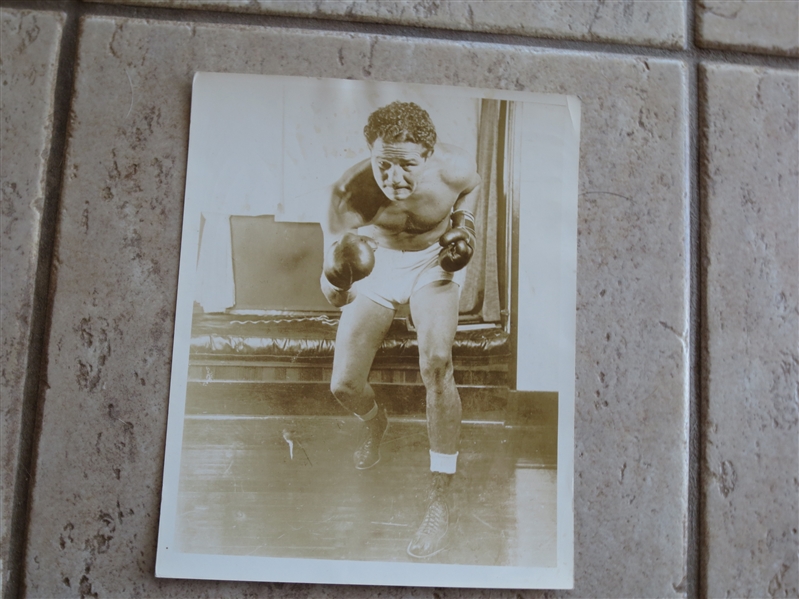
(29,43)
(751,193)
(96,494)
(624,21)
(769,26)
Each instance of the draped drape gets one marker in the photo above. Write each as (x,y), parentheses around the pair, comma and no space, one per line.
(480,295)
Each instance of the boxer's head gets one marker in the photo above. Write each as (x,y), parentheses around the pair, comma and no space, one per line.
(401,137)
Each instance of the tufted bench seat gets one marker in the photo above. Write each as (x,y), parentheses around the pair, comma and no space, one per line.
(311,338)
(281,363)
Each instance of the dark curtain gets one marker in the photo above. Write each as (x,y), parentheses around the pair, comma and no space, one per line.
(480,295)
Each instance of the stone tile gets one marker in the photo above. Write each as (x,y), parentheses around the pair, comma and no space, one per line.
(29,43)
(96,496)
(767,26)
(750,180)
(623,21)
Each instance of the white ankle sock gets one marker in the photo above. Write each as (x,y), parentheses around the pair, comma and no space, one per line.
(443,462)
(369,415)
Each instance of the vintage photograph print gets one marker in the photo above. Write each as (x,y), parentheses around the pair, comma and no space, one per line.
(373,364)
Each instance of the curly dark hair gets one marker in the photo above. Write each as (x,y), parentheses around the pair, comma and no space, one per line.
(400,122)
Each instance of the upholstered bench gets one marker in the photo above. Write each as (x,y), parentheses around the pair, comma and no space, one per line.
(298,346)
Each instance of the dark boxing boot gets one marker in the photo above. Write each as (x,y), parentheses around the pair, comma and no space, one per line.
(430,538)
(368,453)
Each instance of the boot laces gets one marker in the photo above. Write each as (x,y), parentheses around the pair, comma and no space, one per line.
(435,519)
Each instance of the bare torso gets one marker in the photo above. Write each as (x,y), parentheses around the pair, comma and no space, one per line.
(414,223)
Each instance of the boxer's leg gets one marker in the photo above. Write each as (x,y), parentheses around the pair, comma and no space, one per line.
(434,308)
(435,311)
(361,330)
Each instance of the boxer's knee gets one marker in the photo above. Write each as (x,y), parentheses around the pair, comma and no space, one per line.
(345,389)
(437,370)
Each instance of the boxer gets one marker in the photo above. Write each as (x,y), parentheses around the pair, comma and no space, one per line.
(400,230)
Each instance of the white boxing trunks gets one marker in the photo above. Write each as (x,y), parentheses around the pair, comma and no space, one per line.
(398,274)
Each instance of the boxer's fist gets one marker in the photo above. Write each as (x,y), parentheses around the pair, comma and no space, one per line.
(458,243)
(350,259)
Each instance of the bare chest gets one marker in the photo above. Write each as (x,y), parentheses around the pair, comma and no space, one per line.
(422,212)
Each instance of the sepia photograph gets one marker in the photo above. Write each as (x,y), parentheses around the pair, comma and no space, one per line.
(373,360)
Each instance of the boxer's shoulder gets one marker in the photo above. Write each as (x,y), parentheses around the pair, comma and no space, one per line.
(356,191)
(353,179)
(456,166)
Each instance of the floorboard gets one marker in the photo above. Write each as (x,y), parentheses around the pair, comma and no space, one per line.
(285,486)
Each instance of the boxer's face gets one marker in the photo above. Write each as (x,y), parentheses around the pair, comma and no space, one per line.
(398,167)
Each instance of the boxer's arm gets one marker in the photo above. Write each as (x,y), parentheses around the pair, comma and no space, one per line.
(460,174)
(338,222)
(467,200)
(342,216)
(346,259)
(458,242)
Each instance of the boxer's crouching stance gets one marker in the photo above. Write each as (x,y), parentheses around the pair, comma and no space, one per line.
(400,230)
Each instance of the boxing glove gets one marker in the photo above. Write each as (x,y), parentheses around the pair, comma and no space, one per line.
(457,243)
(350,259)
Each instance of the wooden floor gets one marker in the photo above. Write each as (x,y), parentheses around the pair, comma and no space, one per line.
(286,487)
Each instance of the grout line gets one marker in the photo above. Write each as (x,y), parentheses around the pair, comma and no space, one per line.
(694,341)
(690,53)
(691,17)
(35,374)
(702,336)
(692,557)
(692,554)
